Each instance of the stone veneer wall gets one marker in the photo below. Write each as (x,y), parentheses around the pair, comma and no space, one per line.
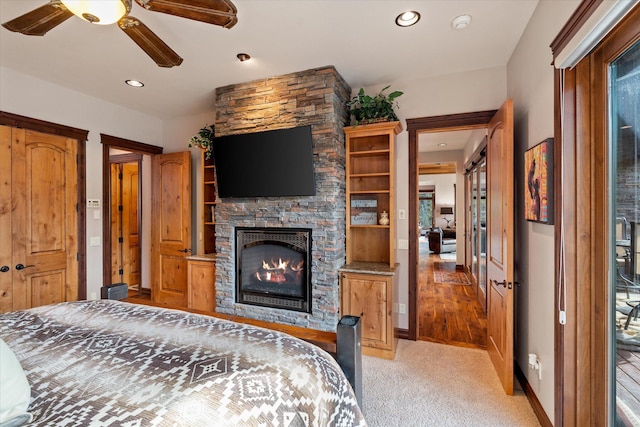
(314,97)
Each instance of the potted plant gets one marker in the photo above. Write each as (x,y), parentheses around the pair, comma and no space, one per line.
(370,109)
(204,140)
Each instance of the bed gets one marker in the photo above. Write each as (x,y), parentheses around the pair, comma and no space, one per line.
(119,364)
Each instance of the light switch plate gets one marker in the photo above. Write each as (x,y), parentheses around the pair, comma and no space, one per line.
(93,203)
(402,214)
(403,244)
(94,241)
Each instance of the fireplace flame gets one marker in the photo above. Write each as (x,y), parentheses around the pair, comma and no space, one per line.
(276,272)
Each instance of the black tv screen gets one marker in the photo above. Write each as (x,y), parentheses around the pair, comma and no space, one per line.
(275,163)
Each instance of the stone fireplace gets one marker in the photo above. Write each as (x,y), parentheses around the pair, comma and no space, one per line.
(317,98)
(272,267)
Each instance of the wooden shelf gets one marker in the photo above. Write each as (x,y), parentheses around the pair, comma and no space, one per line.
(370,190)
(210,199)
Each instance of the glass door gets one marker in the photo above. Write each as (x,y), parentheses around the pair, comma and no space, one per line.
(624,133)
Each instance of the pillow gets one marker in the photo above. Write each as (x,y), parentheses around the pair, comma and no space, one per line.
(15,391)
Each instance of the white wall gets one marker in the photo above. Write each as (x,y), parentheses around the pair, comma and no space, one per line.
(530,85)
(27,96)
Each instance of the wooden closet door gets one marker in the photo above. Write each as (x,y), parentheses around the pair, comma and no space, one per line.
(44,220)
(6,269)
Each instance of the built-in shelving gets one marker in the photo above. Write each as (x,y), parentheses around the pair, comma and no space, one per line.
(210,199)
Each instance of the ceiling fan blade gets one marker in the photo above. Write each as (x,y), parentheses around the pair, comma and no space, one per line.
(158,50)
(216,12)
(40,20)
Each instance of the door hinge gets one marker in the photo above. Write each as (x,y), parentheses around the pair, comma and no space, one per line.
(120,208)
(121,272)
(120,240)
(120,176)
(77,256)
(77,207)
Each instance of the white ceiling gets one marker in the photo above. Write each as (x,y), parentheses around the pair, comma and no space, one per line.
(454,140)
(358,37)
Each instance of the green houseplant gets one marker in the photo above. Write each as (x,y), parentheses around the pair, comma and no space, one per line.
(204,140)
(370,109)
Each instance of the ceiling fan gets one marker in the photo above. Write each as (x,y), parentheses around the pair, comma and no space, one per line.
(39,21)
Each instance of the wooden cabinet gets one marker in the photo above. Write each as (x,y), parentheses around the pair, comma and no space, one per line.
(369,295)
(38,219)
(202,283)
(370,190)
(369,278)
(210,198)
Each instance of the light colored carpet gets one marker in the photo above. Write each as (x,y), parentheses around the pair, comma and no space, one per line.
(429,384)
(448,257)
(456,277)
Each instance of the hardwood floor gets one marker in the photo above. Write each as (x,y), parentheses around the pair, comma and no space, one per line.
(448,313)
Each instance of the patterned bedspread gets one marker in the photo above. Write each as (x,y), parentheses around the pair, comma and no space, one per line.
(94,363)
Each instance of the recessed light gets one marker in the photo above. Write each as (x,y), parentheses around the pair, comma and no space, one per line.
(408,18)
(461,22)
(442,144)
(134,83)
(243,57)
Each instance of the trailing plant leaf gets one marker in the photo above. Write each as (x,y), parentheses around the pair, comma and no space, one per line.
(204,140)
(368,109)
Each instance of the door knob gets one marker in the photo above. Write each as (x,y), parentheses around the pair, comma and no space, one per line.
(22,266)
(186,251)
(4,268)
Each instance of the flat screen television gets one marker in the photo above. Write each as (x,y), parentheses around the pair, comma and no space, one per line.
(274,163)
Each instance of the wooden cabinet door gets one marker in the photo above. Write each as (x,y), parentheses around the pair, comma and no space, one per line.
(170,227)
(43,219)
(367,296)
(202,287)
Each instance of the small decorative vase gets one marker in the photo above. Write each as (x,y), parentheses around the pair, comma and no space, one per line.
(384,218)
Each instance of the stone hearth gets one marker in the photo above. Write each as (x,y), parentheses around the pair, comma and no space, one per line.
(314,97)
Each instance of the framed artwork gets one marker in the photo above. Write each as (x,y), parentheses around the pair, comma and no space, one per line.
(538,177)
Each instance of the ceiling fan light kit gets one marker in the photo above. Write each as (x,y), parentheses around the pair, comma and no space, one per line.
(103,12)
(46,17)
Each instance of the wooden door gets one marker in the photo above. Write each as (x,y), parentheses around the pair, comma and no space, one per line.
(170,227)
(500,231)
(44,225)
(125,248)
(6,267)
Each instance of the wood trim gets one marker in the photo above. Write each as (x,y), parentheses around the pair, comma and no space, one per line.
(109,142)
(575,22)
(583,381)
(436,168)
(447,122)
(80,135)
(402,334)
(129,145)
(532,398)
(22,122)
(82,219)
(461,121)
(125,158)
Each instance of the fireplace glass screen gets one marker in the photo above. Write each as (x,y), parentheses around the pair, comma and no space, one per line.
(273,267)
